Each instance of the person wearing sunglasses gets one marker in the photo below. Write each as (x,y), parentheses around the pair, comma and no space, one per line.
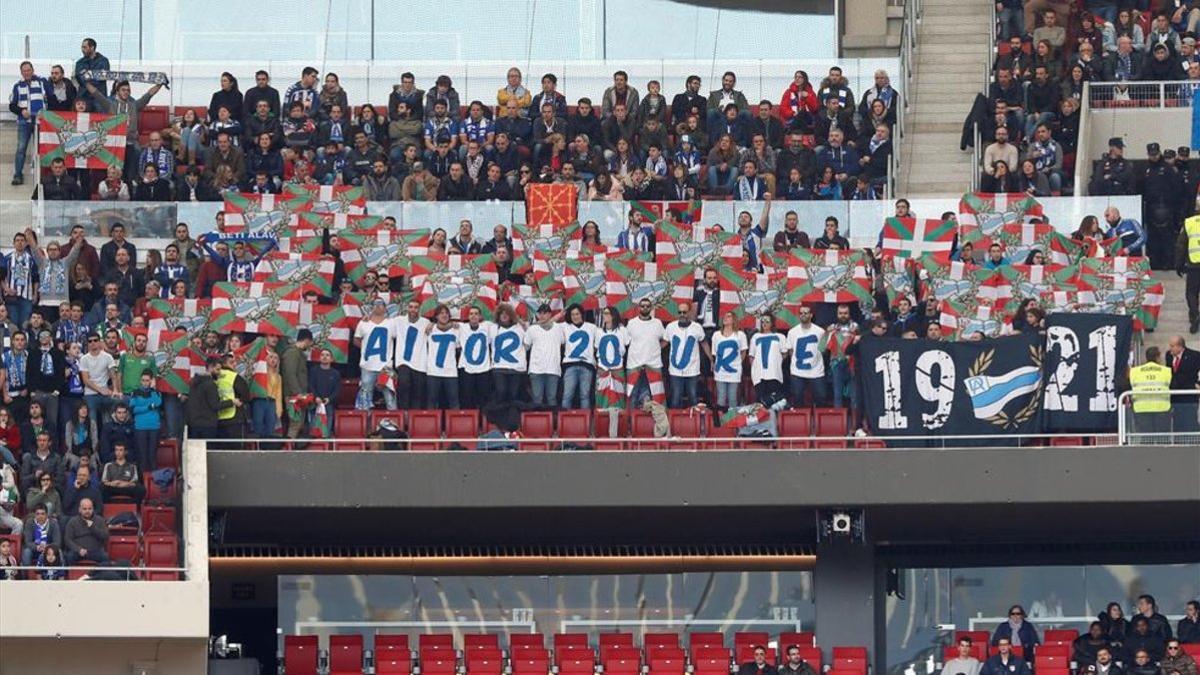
(1018,631)
(1177,660)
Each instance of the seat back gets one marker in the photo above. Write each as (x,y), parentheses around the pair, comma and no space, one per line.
(830,422)
(396,416)
(424,424)
(345,654)
(393,644)
(794,423)
(473,641)
(850,653)
(462,425)
(429,642)
(162,550)
(642,426)
(655,640)
(484,661)
(438,662)
(526,665)
(571,641)
(741,639)
(518,641)
(685,423)
(113,508)
(706,639)
(1062,634)
(812,656)
(537,424)
(300,654)
(578,424)
(351,424)
(124,547)
(166,455)
(802,639)
(158,518)
(603,426)
(1054,648)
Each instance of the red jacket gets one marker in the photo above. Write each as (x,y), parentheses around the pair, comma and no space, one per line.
(794,100)
(11,437)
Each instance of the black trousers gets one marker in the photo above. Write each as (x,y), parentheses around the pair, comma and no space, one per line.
(474,389)
(1192,292)
(410,388)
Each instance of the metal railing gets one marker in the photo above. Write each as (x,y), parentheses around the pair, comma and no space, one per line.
(977,137)
(701,442)
(1178,425)
(908,48)
(1101,95)
(34,572)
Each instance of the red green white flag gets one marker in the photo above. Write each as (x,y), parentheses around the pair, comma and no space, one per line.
(912,238)
(82,140)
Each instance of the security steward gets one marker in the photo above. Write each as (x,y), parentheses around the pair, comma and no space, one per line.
(1151,409)
(232,388)
(1187,262)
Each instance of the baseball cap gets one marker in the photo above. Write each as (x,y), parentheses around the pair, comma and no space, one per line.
(1116,142)
(1168,154)
(1153,149)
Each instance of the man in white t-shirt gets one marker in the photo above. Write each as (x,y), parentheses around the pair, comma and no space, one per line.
(475,359)
(643,359)
(808,360)
(579,360)
(545,341)
(374,337)
(441,364)
(409,331)
(98,370)
(685,340)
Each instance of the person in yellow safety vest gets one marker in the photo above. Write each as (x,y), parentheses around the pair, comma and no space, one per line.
(1151,411)
(231,420)
(1187,261)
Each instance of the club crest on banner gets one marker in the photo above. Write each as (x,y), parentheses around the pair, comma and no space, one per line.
(993,395)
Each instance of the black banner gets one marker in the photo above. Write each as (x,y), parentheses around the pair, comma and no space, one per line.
(1085,356)
(931,388)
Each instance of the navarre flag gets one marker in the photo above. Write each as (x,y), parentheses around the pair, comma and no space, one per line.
(269,309)
(82,140)
(343,199)
(186,314)
(749,295)
(912,238)
(397,253)
(308,271)
(662,284)
(696,246)
(553,241)
(991,211)
(263,214)
(551,204)
(174,359)
(331,329)
(834,276)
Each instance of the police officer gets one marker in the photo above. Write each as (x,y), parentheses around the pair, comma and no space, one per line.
(1187,261)
(231,387)
(1151,411)
(1115,175)
(1187,176)
(1160,202)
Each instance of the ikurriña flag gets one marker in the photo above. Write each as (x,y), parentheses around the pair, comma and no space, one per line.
(82,140)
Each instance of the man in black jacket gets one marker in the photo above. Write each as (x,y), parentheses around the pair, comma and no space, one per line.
(584,121)
(58,184)
(261,91)
(455,186)
(795,155)
(759,665)
(1185,372)
(690,102)
(45,375)
(204,402)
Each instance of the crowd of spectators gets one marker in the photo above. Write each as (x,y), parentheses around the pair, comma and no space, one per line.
(815,142)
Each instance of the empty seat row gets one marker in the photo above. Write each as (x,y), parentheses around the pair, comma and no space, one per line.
(573,654)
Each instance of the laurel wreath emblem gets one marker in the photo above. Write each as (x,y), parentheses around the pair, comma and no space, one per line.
(1003,419)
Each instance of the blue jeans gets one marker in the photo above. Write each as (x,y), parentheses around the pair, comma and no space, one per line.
(441,392)
(1012,22)
(366,392)
(727,394)
(728,185)
(97,407)
(577,384)
(843,379)
(544,389)
(1108,11)
(1056,180)
(173,414)
(815,385)
(263,418)
(25,129)
(683,388)
(19,310)
(641,389)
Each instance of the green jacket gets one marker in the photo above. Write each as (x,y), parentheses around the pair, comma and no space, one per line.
(293,368)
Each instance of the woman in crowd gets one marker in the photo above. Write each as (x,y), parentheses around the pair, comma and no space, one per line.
(228,97)
(729,351)
(766,360)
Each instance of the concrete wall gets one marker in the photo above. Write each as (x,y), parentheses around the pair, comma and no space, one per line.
(1169,127)
(140,656)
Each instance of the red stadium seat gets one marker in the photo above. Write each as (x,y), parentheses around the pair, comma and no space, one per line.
(160,495)
(523,640)
(796,423)
(112,509)
(709,639)
(462,427)
(347,394)
(805,639)
(979,637)
(527,665)
(438,661)
(350,428)
(161,550)
(396,416)
(576,424)
(537,425)
(685,423)
(603,425)
(641,426)
(395,650)
(741,639)
(665,652)
(1043,662)
(484,661)
(345,654)
(1066,442)
(1055,648)
(157,518)
(300,654)
(850,653)
(473,641)
(812,656)
(835,671)
(424,424)
(667,666)
(1067,635)
(571,641)
(830,422)
(124,547)
(580,661)
(1192,649)
(711,666)
(166,456)
(435,642)
(653,640)
(388,665)
(721,438)
(612,639)
(851,665)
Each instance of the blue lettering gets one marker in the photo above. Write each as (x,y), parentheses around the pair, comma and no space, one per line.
(443,341)
(682,351)
(726,356)
(609,351)
(505,348)
(410,342)
(764,348)
(475,349)
(376,345)
(803,355)
(579,343)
